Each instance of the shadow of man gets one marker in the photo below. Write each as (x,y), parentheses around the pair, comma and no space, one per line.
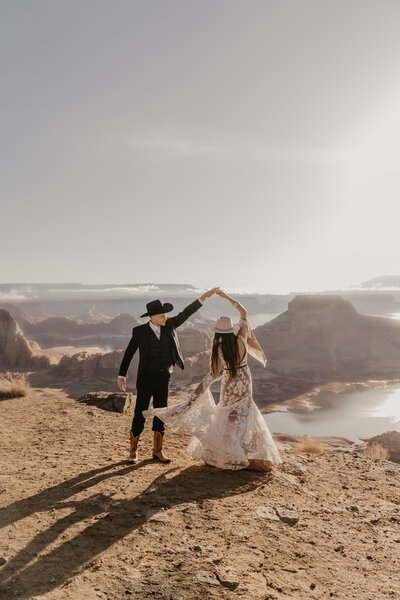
(65,560)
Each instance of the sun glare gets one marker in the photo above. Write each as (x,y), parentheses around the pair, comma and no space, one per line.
(390,407)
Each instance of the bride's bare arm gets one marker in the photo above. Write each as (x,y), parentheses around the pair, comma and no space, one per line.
(235,303)
(242,311)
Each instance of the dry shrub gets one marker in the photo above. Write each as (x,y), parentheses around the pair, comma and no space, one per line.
(13,385)
(312,447)
(376,451)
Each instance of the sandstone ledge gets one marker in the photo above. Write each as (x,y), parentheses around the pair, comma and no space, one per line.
(80,522)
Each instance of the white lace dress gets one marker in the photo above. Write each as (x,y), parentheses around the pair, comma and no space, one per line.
(230,435)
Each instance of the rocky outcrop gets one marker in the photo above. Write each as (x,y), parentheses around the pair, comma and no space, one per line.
(116,402)
(15,350)
(192,341)
(326,335)
(89,366)
(320,339)
(196,367)
(389,440)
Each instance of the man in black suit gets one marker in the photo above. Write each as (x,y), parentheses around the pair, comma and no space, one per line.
(159,350)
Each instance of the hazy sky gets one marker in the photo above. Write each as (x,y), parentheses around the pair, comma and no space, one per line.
(239,143)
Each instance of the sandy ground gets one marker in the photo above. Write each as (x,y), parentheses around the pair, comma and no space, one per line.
(79,522)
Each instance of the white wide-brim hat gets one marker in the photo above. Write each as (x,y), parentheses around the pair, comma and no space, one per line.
(224,325)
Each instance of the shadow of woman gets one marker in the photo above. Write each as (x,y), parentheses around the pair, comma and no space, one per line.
(193,484)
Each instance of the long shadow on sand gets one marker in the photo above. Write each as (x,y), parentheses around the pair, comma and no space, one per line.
(190,485)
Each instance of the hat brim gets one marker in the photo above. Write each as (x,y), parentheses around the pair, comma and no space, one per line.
(167,307)
(224,330)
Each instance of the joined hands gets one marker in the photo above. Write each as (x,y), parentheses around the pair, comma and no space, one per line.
(234,303)
(214,290)
(221,294)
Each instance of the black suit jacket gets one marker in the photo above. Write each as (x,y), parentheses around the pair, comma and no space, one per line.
(139,340)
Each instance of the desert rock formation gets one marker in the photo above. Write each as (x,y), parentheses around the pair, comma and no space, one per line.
(15,350)
(325,337)
(65,328)
(321,339)
(389,440)
(118,402)
(92,315)
(86,365)
(193,341)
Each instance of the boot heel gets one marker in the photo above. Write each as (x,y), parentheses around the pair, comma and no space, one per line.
(158,453)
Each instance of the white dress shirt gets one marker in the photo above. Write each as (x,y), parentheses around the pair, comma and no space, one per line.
(157,331)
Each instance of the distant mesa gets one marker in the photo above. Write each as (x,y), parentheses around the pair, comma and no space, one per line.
(383,281)
(323,336)
(84,365)
(65,328)
(318,340)
(92,315)
(322,339)
(15,350)
(320,303)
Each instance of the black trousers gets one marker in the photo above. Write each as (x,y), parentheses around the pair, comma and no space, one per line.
(156,385)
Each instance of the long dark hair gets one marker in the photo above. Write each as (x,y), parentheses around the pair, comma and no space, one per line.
(230,350)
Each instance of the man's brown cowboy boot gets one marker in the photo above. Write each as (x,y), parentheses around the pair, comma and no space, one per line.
(158,454)
(133,454)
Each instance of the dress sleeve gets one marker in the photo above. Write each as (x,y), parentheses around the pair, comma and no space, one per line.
(244,340)
(180,415)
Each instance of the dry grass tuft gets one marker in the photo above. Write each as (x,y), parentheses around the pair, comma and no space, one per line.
(13,385)
(312,447)
(376,451)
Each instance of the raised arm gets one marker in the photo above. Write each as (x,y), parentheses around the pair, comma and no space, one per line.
(243,330)
(187,312)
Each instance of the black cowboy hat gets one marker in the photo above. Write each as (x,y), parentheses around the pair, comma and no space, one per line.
(155,307)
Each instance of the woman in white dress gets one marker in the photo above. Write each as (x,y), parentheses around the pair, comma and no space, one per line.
(232,434)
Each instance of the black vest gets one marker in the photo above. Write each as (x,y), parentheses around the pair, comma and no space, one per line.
(159,350)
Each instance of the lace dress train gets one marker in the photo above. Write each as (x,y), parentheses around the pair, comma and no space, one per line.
(232,434)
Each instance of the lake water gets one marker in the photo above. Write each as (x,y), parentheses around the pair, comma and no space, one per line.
(361,413)
(349,415)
